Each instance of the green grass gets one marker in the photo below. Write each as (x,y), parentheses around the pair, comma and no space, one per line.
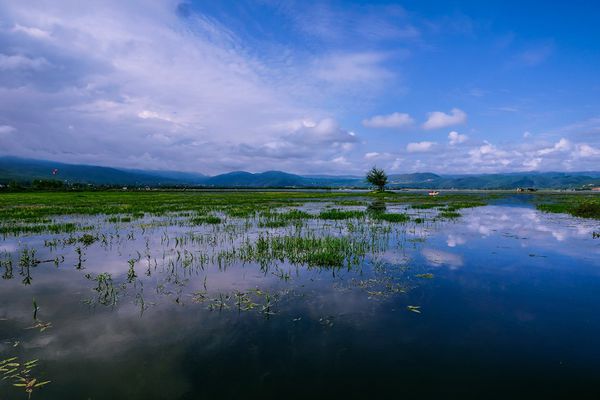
(271,219)
(337,214)
(584,206)
(449,214)
(391,217)
(324,251)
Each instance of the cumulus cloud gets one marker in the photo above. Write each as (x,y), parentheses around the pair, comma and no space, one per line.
(394,120)
(439,119)
(585,150)
(455,138)
(532,164)
(420,147)
(562,145)
(371,155)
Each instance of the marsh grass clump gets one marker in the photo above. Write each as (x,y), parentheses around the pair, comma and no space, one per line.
(337,214)
(391,217)
(587,209)
(241,212)
(584,206)
(279,220)
(449,214)
(87,239)
(323,251)
(19,229)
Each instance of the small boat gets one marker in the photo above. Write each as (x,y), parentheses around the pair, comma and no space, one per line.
(433,193)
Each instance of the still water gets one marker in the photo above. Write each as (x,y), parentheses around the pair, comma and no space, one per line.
(502,302)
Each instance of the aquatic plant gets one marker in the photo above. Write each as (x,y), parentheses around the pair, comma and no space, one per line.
(392,217)
(337,214)
(20,374)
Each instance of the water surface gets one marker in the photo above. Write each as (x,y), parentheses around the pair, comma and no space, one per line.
(510,310)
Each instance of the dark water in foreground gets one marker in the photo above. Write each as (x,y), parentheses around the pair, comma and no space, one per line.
(511,312)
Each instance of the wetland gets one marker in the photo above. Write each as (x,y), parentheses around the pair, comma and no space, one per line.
(187,295)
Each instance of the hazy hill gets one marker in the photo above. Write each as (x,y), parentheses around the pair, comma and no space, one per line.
(26,170)
(269,178)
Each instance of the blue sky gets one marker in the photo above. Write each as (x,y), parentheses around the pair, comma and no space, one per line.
(305,87)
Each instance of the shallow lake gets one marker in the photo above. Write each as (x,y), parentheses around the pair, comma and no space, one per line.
(502,301)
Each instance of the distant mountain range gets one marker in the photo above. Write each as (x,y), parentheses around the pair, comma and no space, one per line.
(27,170)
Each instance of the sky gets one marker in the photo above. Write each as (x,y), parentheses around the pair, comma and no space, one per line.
(324,87)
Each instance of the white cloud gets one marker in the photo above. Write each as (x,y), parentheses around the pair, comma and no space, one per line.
(562,145)
(533,163)
(394,120)
(489,156)
(6,129)
(131,88)
(19,61)
(585,150)
(526,134)
(420,147)
(456,138)
(371,155)
(439,119)
(31,31)
(146,114)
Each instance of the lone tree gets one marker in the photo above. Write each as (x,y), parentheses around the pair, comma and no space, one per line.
(377,177)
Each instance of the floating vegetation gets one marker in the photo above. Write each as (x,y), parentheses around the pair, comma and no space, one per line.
(256,299)
(425,276)
(327,321)
(415,309)
(41,325)
(20,374)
